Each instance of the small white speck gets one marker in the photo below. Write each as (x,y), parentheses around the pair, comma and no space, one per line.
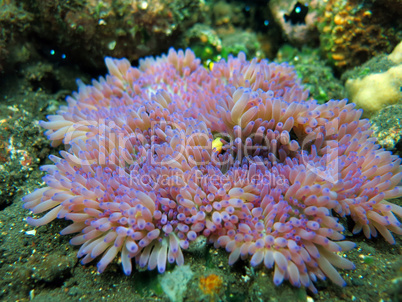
(32,232)
(112,45)
(245,278)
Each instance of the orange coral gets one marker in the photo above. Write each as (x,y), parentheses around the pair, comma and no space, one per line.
(352,33)
(211,284)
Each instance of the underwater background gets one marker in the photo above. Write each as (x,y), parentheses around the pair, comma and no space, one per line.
(340,49)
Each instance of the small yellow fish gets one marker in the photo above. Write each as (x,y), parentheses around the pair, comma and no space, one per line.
(217,144)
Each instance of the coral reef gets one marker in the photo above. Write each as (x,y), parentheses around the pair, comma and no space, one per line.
(143,176)
(94,29)
(14,24)
(210,47)
(204,41)
(353,31)
(225,15)
(317,77)
(226,30)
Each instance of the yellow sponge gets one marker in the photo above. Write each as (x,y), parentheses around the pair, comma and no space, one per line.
(378,90)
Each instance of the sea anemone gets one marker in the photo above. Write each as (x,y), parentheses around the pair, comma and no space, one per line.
(164,153)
